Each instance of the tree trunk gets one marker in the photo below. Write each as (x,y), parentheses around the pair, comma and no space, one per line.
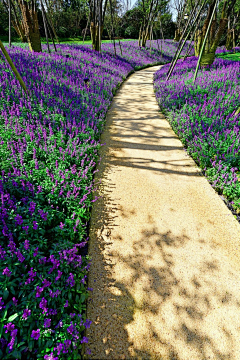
(229,40)
(197,42)
(9,60)
(19,30)
(178,34)
(95,36)
(31,26)
(213,38)
(209,53)
(140,36)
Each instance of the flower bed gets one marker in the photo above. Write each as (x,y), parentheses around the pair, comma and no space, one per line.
(142,57)
(49,149)
(202,114)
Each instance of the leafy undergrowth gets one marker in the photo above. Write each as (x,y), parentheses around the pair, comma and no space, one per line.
(49,149)
(202,114)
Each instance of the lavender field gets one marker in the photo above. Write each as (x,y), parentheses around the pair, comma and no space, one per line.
(49,150)
(202,114)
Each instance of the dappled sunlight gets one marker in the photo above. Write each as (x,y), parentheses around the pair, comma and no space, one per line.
(164,248)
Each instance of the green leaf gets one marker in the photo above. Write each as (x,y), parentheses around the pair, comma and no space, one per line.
(82,298)
(30,345)
(1,329)
(5,294)
(4,314)
(49,343)
(13,317)
(20,344)
(15,354)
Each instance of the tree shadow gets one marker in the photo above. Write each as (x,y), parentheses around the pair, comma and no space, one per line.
(157,295)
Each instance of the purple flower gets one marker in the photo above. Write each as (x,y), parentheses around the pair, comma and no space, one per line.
(12,247)
(6,272)
(59,348)
(39,291)
(43,305)
(67,343)
(13,337)
(47,323)
(35,225)
(26,244)
(61,225)
(66,304)
(20,257)
(2,253)
(1,304)
(58,275)
(87,323)
(71,280)
(5,230)
(26,314)
(42,260)
(84,340)
(70,329)
(50,357)
(32,208)
(46,283)
(54,294)
(43,215)
(9,327)
(35,252)
(36,334)
(60,324)
(88,351)
(32,275)
(18,220)
(25,228)
(15,301)
(52,312)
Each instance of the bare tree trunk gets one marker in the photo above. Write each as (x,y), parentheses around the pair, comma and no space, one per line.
(9,21)
(30,22)
(139,37)
(234,42)
(178,35)
(50,21)
(45,26)
(229,40)
(111,10)
(18,26)
(97,23)
(213,37)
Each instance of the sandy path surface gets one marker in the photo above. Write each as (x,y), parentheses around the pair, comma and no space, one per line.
(165,248)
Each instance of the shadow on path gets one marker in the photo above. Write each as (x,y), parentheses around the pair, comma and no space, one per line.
(165,285)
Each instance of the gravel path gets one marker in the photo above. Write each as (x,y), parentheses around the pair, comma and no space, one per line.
(165,248)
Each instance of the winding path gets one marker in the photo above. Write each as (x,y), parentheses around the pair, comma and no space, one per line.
(165,248)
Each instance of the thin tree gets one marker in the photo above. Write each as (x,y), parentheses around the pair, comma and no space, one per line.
(97,15)
(9,21)
(30,22)
(9,60)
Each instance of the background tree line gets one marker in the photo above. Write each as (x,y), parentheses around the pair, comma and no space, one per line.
(70,18)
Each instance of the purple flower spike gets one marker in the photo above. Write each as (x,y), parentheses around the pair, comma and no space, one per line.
(6,272)
(36,334)
(47,323)
(26,314)
(50,357)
